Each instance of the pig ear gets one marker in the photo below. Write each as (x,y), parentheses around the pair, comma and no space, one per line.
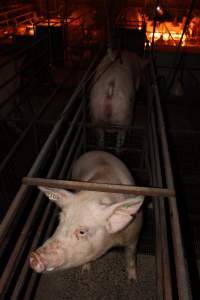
(119,215)
(59,196)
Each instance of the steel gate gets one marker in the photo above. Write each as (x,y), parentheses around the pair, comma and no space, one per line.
(25,224)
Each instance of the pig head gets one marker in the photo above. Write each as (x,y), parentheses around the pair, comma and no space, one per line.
(113,93)
(91,222)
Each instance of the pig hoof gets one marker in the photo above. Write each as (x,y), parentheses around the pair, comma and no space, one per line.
(86,268)
(36,263)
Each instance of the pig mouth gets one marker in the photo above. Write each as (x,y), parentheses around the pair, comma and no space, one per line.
(38,264)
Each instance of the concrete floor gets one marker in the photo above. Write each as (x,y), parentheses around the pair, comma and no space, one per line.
(106,280)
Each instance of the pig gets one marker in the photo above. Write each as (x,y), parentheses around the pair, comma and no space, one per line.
(92,222)
(113,93)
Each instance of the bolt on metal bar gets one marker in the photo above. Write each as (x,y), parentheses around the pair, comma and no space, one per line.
(182,274)
(100,187)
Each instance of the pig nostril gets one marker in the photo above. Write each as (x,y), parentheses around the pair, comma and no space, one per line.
(36,262)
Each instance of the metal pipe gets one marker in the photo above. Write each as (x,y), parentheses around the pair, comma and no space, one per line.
(152,170)
(47,212)
(179,44)
(34,277)
(163,224)
(24,7)
(101,187)
(158,233)
(8,219)
(182,274)
(21,52)
(18,90)
(8,272)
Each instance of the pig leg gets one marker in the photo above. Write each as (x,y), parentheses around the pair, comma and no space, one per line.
(131,262)
(86,267)
(121,135)
(100,137)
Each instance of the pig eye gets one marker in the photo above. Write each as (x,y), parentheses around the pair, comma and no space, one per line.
(81,232)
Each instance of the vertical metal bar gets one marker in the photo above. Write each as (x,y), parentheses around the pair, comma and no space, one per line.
(34,277)
(42,224)
(49,34)
(16,251)
(154,26)
(158,233)
(183,282)
(84,118)
(163,225)
(17,201)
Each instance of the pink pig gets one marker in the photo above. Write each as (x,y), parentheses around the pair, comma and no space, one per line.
(92,222)
(113,92)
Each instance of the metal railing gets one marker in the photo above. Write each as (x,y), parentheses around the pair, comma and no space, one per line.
(53,163)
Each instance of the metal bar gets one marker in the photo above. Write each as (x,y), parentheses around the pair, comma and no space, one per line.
(158,233)
(24,7)
(163,225)
(14,77)
(16,17)
(179,44)
(21,240)
(101,187)
(183,282)
(21,52)
(34,277)
(7,221)
(10,216)
(42,224)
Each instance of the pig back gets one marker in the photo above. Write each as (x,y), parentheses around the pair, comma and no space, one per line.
(102,167)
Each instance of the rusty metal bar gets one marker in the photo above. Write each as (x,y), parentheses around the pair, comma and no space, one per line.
(183,282)
(101,187)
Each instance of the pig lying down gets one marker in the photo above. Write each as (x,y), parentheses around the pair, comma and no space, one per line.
(113,93)
(92,222)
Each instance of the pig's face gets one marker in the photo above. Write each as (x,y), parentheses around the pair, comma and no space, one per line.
(87,222)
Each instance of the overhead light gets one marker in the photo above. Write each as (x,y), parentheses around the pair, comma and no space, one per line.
(160,10)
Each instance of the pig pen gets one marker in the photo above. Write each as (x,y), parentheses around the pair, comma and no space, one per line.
(31,219)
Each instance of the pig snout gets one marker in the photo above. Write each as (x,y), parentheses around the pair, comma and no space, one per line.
(46,258)
(37,263)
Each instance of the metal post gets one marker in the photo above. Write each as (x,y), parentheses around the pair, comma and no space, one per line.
(182,274)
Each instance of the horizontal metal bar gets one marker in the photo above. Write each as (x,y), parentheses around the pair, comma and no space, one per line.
(100,187)
(24,7)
